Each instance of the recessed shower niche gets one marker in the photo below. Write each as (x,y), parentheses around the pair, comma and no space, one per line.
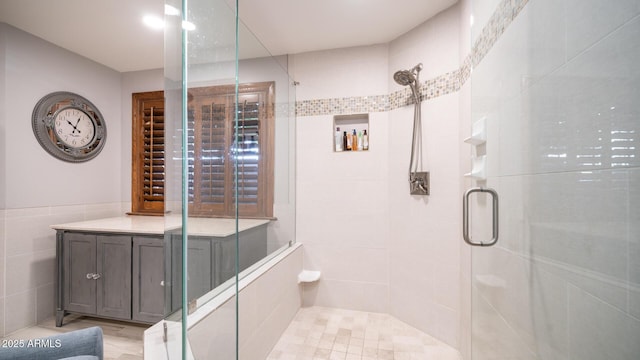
(351,132)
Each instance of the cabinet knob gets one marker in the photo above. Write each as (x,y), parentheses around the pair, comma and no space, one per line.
(96,276)
(90,276)
(162,283)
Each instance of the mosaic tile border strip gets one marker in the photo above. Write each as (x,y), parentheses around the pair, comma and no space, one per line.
(441,85)
(347,105)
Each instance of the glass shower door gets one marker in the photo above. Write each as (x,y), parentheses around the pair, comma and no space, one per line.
(200,53)
(557,84)
(230,135)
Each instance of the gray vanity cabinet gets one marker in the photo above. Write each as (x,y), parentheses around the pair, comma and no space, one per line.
(116,276)
(148,298)
(211,261)
(130,268)
(97,276)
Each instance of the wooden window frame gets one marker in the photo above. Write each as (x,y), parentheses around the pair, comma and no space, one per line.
(142,202)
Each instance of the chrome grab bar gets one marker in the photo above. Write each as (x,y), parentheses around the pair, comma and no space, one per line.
(465,217)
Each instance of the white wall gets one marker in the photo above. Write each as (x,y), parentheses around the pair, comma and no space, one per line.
(36,68)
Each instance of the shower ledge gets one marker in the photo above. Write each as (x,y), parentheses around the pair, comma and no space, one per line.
(308,276)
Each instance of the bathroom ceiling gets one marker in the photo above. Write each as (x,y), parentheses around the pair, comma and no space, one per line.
(112,33)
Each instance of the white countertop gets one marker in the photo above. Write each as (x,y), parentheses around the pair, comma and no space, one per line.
(158,225)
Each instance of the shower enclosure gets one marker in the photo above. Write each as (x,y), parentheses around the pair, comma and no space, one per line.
(557,85)
(229,129)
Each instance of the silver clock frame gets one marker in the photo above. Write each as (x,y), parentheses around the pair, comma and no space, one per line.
(42,122)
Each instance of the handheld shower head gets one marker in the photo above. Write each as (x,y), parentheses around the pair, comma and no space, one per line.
(408,77)
(411,78)
(404,77)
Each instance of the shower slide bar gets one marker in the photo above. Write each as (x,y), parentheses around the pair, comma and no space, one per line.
(465,216)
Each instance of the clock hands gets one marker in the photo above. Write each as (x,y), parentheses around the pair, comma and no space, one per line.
(75,127)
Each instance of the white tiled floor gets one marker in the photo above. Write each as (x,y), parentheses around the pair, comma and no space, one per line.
(325,333)
(315,333)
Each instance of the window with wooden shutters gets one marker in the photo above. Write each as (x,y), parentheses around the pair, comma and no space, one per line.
(213,155)
(148,158)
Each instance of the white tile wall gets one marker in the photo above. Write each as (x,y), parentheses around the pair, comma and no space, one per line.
(424,232)
(589,21)
(605,333)
(27,257)
(20,311)
(341,200)
(2,267)
(378,247)
(481,10)
(266,306)
(2,257)
(215,335)
(435,44)
(348,72)
(633,256)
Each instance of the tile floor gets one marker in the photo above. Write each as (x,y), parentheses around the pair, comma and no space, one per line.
(315,333)
(122,341)
(325,333)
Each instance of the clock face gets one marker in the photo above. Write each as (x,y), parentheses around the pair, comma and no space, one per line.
(74,127)
(69,127)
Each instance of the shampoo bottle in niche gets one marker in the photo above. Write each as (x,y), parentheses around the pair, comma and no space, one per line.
(354,140)
(365,141)
(347,141)
(338,139)
(360,141)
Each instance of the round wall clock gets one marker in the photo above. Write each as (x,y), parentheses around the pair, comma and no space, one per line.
(69,127)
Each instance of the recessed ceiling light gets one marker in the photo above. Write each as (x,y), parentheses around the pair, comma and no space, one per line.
(188,25)
(157,23)
(170,10)
(153,22)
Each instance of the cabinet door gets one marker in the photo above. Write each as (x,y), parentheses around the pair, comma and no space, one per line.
(79,259)
(114,282)
(148,279)
(225,259)
(199,269)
